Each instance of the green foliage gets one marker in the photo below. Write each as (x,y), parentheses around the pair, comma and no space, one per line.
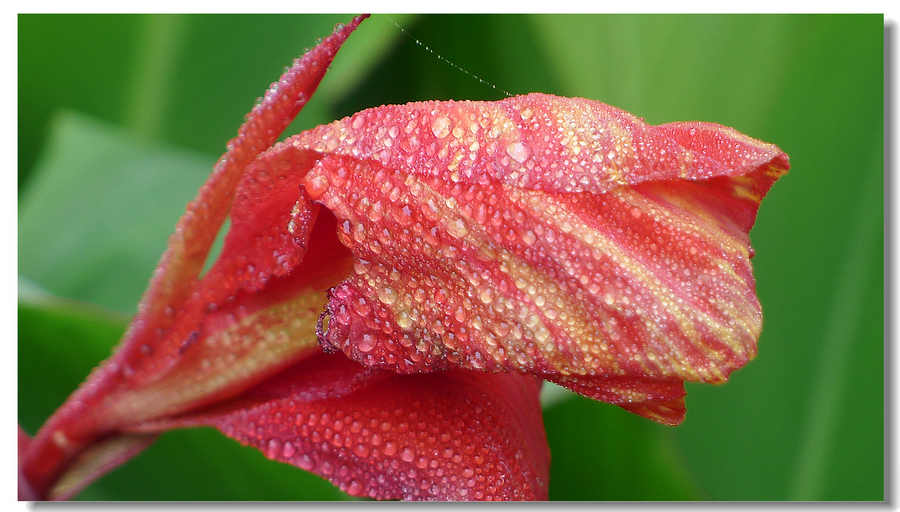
(158,97)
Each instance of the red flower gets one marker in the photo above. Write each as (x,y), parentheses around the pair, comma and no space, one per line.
(479,248)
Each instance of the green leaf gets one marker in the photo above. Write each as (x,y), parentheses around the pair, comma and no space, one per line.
(600,452)
(96,218)
(805,420)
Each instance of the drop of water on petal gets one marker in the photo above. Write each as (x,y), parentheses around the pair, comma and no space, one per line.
(273,449)
(288,451)
(366,343)
(519,151)
(361,451)
(305,462)
(387,295)
(457,228)
(440,127)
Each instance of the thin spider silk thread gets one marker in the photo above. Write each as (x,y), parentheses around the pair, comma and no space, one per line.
(423,45)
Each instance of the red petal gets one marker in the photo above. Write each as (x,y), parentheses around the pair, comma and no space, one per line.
(196,230)
(657,399)
(178,351)
(560,237)
(452,435)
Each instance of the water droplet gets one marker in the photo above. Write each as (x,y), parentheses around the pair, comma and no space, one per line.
(387,295)
(273,449)
(305,462)
(288,450)
(541,334)
(403,320)
(457,228)
(366,343)
(440,127)
(519,151)
(316,185)
(361,451)
(529,237)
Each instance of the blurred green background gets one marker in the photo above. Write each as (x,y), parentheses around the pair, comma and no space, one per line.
(122,117)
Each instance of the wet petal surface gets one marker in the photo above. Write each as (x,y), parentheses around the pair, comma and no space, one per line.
(560,237)
(453,435)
